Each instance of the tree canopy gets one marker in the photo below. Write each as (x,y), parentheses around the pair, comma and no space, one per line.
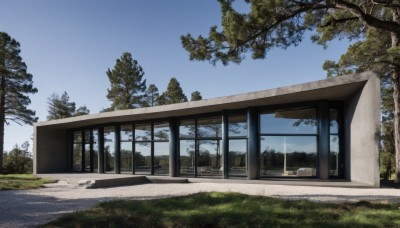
(174,93)
(151,96)
(60,107)
(15,87)
(127,84)
(374,25)
(196,96)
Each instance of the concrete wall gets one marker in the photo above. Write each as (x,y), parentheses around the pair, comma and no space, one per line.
(50,150)
(362,130)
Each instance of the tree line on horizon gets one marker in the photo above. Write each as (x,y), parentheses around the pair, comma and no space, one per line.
(127,90)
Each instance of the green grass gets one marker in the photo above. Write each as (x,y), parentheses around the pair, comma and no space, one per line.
(22,182)
(231,210)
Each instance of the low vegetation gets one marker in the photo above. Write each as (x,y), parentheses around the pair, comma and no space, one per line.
(22,182)
(231,210)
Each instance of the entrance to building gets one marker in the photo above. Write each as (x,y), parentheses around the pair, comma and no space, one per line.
(85,151)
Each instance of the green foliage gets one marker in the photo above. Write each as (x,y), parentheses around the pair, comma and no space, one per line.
(61,107)
(18,160)
(231,210)
(22,182)
(196,96)
(15,87)
(174,94)
(127,84)
(151,96)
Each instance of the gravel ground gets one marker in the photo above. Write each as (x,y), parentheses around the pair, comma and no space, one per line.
(34,207)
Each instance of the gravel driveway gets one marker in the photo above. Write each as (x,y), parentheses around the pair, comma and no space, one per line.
(34,207)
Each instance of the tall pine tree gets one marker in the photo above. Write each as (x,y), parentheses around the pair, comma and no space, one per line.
(127,84)
(62,107)
(196,96)
(152,95)
(174,94)
(15,86)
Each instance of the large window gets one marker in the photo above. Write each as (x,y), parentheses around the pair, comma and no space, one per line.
(237,155)
(161,148)
(288,143)
(334,156)
(126,140)
(109,149)
(95,143)
(143,148)
(200,147)
(77,151)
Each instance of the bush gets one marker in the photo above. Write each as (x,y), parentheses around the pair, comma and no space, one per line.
(18,160)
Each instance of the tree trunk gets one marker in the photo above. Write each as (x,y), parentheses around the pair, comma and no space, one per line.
(396,111)
(2,119)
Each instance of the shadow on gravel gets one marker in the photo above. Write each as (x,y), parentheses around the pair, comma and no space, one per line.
(22,208)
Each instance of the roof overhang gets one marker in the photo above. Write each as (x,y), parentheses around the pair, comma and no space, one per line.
(337,88)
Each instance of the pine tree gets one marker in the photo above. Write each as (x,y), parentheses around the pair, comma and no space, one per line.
(61,107)
(82,110)
(174,94)
(269,24)
(196,96)
(127,84)
(15,86)
(151,96)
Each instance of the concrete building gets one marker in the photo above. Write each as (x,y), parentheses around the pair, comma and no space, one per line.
(326,130)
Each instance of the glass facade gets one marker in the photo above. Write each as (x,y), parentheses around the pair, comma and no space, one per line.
(237,154)
(334,156)
(109,149)
(286,144)
(126,152)
(77,151)
(200,148)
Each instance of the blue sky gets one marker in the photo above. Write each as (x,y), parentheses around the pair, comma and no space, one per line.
(69,45)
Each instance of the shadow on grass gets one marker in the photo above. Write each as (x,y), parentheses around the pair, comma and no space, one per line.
(231,210)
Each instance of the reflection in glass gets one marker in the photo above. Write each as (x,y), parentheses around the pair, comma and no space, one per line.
(109,149)
(95,150)
(126,157)
(295,121)
(77,152)
(87,136)
(77,157)
(334,143)
(187,129)
(209,127)
(161,158)
(209,161)
(288,156)
(126,133)
(87,150)
(237,157)
(187,157)
(333,121)
(161,131)
(142,132)
(77,137)
(87,157)
(237,125)
(334,156)
(142,158)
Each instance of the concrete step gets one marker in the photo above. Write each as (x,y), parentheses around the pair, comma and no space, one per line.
(113,182)
(167,180)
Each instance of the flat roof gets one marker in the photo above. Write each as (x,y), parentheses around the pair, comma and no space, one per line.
(337,88)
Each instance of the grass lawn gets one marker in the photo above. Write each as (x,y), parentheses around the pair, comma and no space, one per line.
(22,182)
(231,210)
